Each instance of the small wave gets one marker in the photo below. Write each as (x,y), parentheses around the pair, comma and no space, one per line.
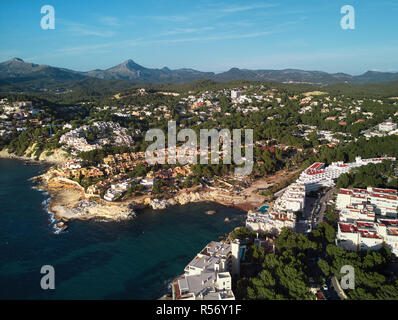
(51,215)
(58,230)
(104,220)
(44,192)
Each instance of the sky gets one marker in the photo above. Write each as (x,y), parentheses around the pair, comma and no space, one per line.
(207,35)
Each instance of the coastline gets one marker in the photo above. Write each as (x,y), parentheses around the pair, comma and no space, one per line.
(58,156)
(70,201)
(60,200)
(118,252)
(8,156)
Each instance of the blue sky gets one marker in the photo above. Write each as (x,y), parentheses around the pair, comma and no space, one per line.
(207,35)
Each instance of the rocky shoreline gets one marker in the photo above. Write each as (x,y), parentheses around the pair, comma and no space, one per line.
(70,202)
(184,198)
(58,156)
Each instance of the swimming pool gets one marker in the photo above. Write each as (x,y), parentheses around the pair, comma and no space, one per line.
(263,209)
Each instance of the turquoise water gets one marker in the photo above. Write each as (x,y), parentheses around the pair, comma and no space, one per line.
(264,209)
(96,260)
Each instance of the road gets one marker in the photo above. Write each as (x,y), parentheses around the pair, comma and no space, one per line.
(302,225)
(322,202)
(315,209)
(338,289)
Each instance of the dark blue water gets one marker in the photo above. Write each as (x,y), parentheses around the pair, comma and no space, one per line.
(96,260)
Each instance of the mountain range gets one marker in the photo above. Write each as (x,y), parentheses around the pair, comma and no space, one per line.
(17,71)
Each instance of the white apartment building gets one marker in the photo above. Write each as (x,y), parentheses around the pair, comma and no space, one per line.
(317,175)
(205,286)
(358,235)
(384,201)
(20,104)
(107,132)
(271,222)
(292,199)
(235,94)
(368,218)
(147,182)
(387,126)
(363,212)
(366,235)
(215,256)
(207,276)
(115,190)
(70,165)
(388,230)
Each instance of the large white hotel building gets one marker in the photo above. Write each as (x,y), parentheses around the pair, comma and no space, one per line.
(312,179)
(368,218)
(208,275)
(317,175)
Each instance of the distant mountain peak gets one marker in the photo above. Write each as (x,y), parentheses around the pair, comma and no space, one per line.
(130,65)
(129,61)
(129,70)
(16,60)
(372,72)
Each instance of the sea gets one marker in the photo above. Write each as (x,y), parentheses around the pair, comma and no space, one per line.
(133,259)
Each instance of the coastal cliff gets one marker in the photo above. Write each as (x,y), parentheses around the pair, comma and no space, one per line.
(55,156)
(70,201)
(184,198)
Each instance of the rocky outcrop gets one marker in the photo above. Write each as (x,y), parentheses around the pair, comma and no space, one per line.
(56,156)
(69,200)
(188,197)
(185,198)
(158,204)
(86,210)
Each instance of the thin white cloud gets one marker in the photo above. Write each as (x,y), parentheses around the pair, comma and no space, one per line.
(141,42)
(185,31)
(84,30)
(198,35)
(210,11)
(169,18)
(248,7)
(110,21)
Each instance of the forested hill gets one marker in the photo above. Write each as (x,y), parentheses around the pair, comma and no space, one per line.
(17,75)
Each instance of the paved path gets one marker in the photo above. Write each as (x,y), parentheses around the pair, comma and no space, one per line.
(338,289)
